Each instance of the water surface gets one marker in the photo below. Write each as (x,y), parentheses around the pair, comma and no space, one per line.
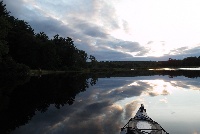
(107,104)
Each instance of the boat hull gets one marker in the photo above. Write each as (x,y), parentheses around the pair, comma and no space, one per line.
(142,124)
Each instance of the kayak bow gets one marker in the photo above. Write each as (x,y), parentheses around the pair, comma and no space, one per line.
(142,124)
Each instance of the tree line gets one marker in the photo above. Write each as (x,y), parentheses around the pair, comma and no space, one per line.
(186,62)
(21,48)
(128,65)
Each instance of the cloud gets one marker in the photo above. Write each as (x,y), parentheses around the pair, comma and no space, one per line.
(130,108)
(94,109)
(173,112)
(89,25)
(180,50)
(152,94)
(111,55)
(90,29)
(125,26)
(14,9)
(122,49)
(163,100)
(187,84)
(183,52)
(193,51)
(126,46)
(127,91)
(52,27)
(106,121)
(165,92)
(150,42)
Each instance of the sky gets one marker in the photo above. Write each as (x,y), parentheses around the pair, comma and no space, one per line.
(119,30)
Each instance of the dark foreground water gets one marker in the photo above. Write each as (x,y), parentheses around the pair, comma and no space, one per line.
(74,104)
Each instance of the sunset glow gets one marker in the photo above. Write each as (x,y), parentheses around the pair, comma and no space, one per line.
(125,29)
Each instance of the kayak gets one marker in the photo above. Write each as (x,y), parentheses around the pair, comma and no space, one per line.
(142,124)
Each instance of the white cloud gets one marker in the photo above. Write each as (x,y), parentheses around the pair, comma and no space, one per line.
(170,25)
(164,100)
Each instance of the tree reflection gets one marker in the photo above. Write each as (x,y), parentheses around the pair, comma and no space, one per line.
(134,73)
(38,94)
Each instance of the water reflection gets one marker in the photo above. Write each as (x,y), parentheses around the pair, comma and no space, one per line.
(172,69)
(143,72)
(108,105)
(37,95)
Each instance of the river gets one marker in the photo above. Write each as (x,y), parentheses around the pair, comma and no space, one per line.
(76,105)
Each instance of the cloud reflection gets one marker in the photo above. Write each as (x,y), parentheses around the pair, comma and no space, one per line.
(98,119)
(129,108)
(105,107)
(164,100)
(186,84)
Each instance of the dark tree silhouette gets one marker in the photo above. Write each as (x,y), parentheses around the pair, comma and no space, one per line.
(36,50)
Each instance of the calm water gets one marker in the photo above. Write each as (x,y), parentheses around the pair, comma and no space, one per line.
(197,68)
(104,105)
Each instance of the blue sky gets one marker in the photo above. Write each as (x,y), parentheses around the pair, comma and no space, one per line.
(118,29)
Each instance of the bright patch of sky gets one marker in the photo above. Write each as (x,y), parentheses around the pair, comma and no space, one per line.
(168,24)
(118,29)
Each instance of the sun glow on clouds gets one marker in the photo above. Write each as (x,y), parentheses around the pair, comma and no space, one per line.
(164,100)
(161,27)
(175,22)
(152,88)
(160,87)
